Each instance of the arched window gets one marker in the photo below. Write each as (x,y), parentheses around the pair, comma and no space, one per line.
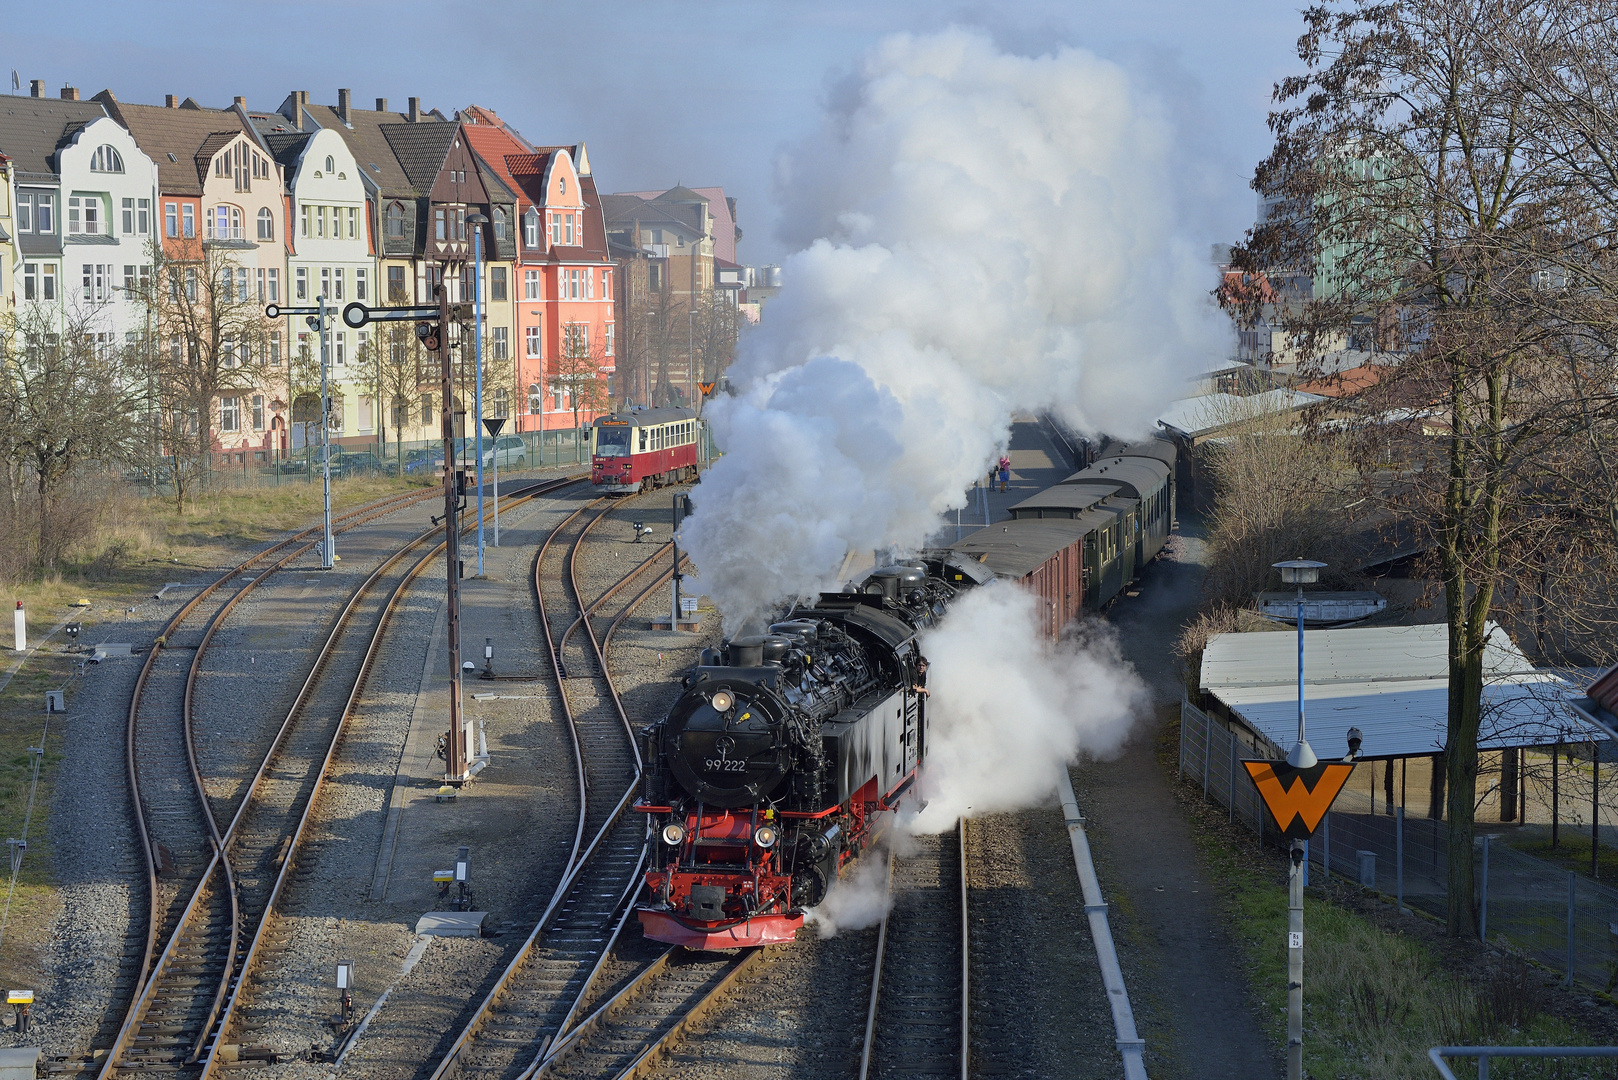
(331,166)
(499,223)
(536,398)
(561,185)
(530,228)
(106,159)
(225,223)
(395,219)
(266,224)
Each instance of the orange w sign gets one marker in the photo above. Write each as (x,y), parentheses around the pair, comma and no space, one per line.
(1298,798)
(706,388)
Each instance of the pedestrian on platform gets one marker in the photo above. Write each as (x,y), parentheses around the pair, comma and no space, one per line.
(1005,471)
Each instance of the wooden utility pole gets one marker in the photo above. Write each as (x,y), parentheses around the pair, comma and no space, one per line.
(455,754)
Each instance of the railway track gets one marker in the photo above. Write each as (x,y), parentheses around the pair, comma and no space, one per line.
(916,1025)
(237,868)
(541,992)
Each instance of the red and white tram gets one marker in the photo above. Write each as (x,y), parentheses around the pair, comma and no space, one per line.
(644,448)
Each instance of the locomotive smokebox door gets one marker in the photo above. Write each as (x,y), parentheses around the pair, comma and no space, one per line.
(708,902)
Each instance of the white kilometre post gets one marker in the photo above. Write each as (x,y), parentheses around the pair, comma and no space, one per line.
(1295,964)
(22,628)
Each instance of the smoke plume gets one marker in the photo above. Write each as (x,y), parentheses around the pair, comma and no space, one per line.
(982,233)
(1008,709)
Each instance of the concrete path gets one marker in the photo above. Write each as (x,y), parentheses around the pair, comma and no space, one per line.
(1187,970)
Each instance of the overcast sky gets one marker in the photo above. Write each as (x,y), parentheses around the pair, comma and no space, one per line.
(663,93)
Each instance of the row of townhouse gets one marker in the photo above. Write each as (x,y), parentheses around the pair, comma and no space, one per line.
(367,205)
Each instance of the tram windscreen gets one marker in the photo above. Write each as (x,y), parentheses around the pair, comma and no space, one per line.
(612,441)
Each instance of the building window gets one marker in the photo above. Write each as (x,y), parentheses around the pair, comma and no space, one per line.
(568,231)
(98,282)
(426,409)
(30,281)
(304,218)
(460,220)
(275,285)
(84,214)
(143,216)
(359,283)
(536,399)
(300,283)
(266,224)
(606,284)
(395,219)
(396,285)
(241,284)
(530,284)
(530,229)
(44,213)
(654,277)
(499,223)
(556,228)
(497,283)
(225,223)
(191,283)
(258,412)
(531,340)
(340,353)
(320,221)
(611,337)
(438,218)
(188,220)
(106,159)
(230,414)
(501,402)
(338,273)
(331,166)
(272,346)
(127,217)
(171,223)
(325,281)
(502,342)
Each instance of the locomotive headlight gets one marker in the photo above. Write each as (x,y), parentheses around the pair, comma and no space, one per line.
(722,701)
(765,836)
(673,833)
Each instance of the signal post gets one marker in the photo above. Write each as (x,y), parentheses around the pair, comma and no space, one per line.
(432,325)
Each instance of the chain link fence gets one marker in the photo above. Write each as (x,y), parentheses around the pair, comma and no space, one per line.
(1556,917)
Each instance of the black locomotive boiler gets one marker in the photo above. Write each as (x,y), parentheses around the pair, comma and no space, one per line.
(764,778)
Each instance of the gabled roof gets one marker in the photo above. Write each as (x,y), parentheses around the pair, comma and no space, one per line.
(174,138)
(421,150)
(481,116)
(287,149)
(33,129)
(720,207)
(595,222)
(625,209)
(370,147)
(502,154)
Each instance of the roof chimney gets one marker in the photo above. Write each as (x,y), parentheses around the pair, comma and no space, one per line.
(36,87)
(381,104)
(240,101)
(415,110)
(342,106)
(70,93)
(171,101)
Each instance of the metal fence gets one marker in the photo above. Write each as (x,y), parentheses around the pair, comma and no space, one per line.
(1556,917)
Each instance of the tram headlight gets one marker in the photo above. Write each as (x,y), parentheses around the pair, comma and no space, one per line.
(765,836)
(673,834)
(722,701)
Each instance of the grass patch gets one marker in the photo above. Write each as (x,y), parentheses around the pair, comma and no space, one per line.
(1375,999)
(1571,853)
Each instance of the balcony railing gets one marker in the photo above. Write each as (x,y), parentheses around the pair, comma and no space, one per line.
(227,232)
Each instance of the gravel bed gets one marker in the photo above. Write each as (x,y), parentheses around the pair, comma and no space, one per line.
(97,863)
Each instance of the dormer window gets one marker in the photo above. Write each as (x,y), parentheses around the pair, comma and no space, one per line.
(106,159)
(499,223)
(396,219)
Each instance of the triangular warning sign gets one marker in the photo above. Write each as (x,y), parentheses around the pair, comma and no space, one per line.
(1298,798)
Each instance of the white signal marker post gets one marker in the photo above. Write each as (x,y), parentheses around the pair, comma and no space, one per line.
(21,623)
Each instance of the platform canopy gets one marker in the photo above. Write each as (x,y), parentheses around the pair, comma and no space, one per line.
(1392,683)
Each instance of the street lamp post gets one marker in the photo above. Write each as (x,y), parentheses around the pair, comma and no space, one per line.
(1299,572)
(328,553)
(477,221)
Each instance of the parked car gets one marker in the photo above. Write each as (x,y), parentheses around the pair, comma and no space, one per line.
(421,461)
(301,461)
(510,450)
(361,463)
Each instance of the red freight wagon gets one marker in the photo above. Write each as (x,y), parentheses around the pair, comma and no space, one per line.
(644,448)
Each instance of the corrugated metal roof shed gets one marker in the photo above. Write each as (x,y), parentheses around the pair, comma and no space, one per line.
(1389,681)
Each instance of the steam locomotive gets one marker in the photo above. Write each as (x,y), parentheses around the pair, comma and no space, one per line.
(766,775)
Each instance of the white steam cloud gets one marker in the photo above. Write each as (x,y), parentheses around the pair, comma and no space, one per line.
(985,233)
(1008,709)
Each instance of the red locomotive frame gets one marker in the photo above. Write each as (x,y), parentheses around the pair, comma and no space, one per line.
(719,849)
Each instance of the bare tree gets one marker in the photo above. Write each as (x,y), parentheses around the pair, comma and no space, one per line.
(211,334)
(578,373)
(716,326)
(1414,208)
(391,366)
(67,403)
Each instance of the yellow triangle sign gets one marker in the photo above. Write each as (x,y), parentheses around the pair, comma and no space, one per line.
(1298,798)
